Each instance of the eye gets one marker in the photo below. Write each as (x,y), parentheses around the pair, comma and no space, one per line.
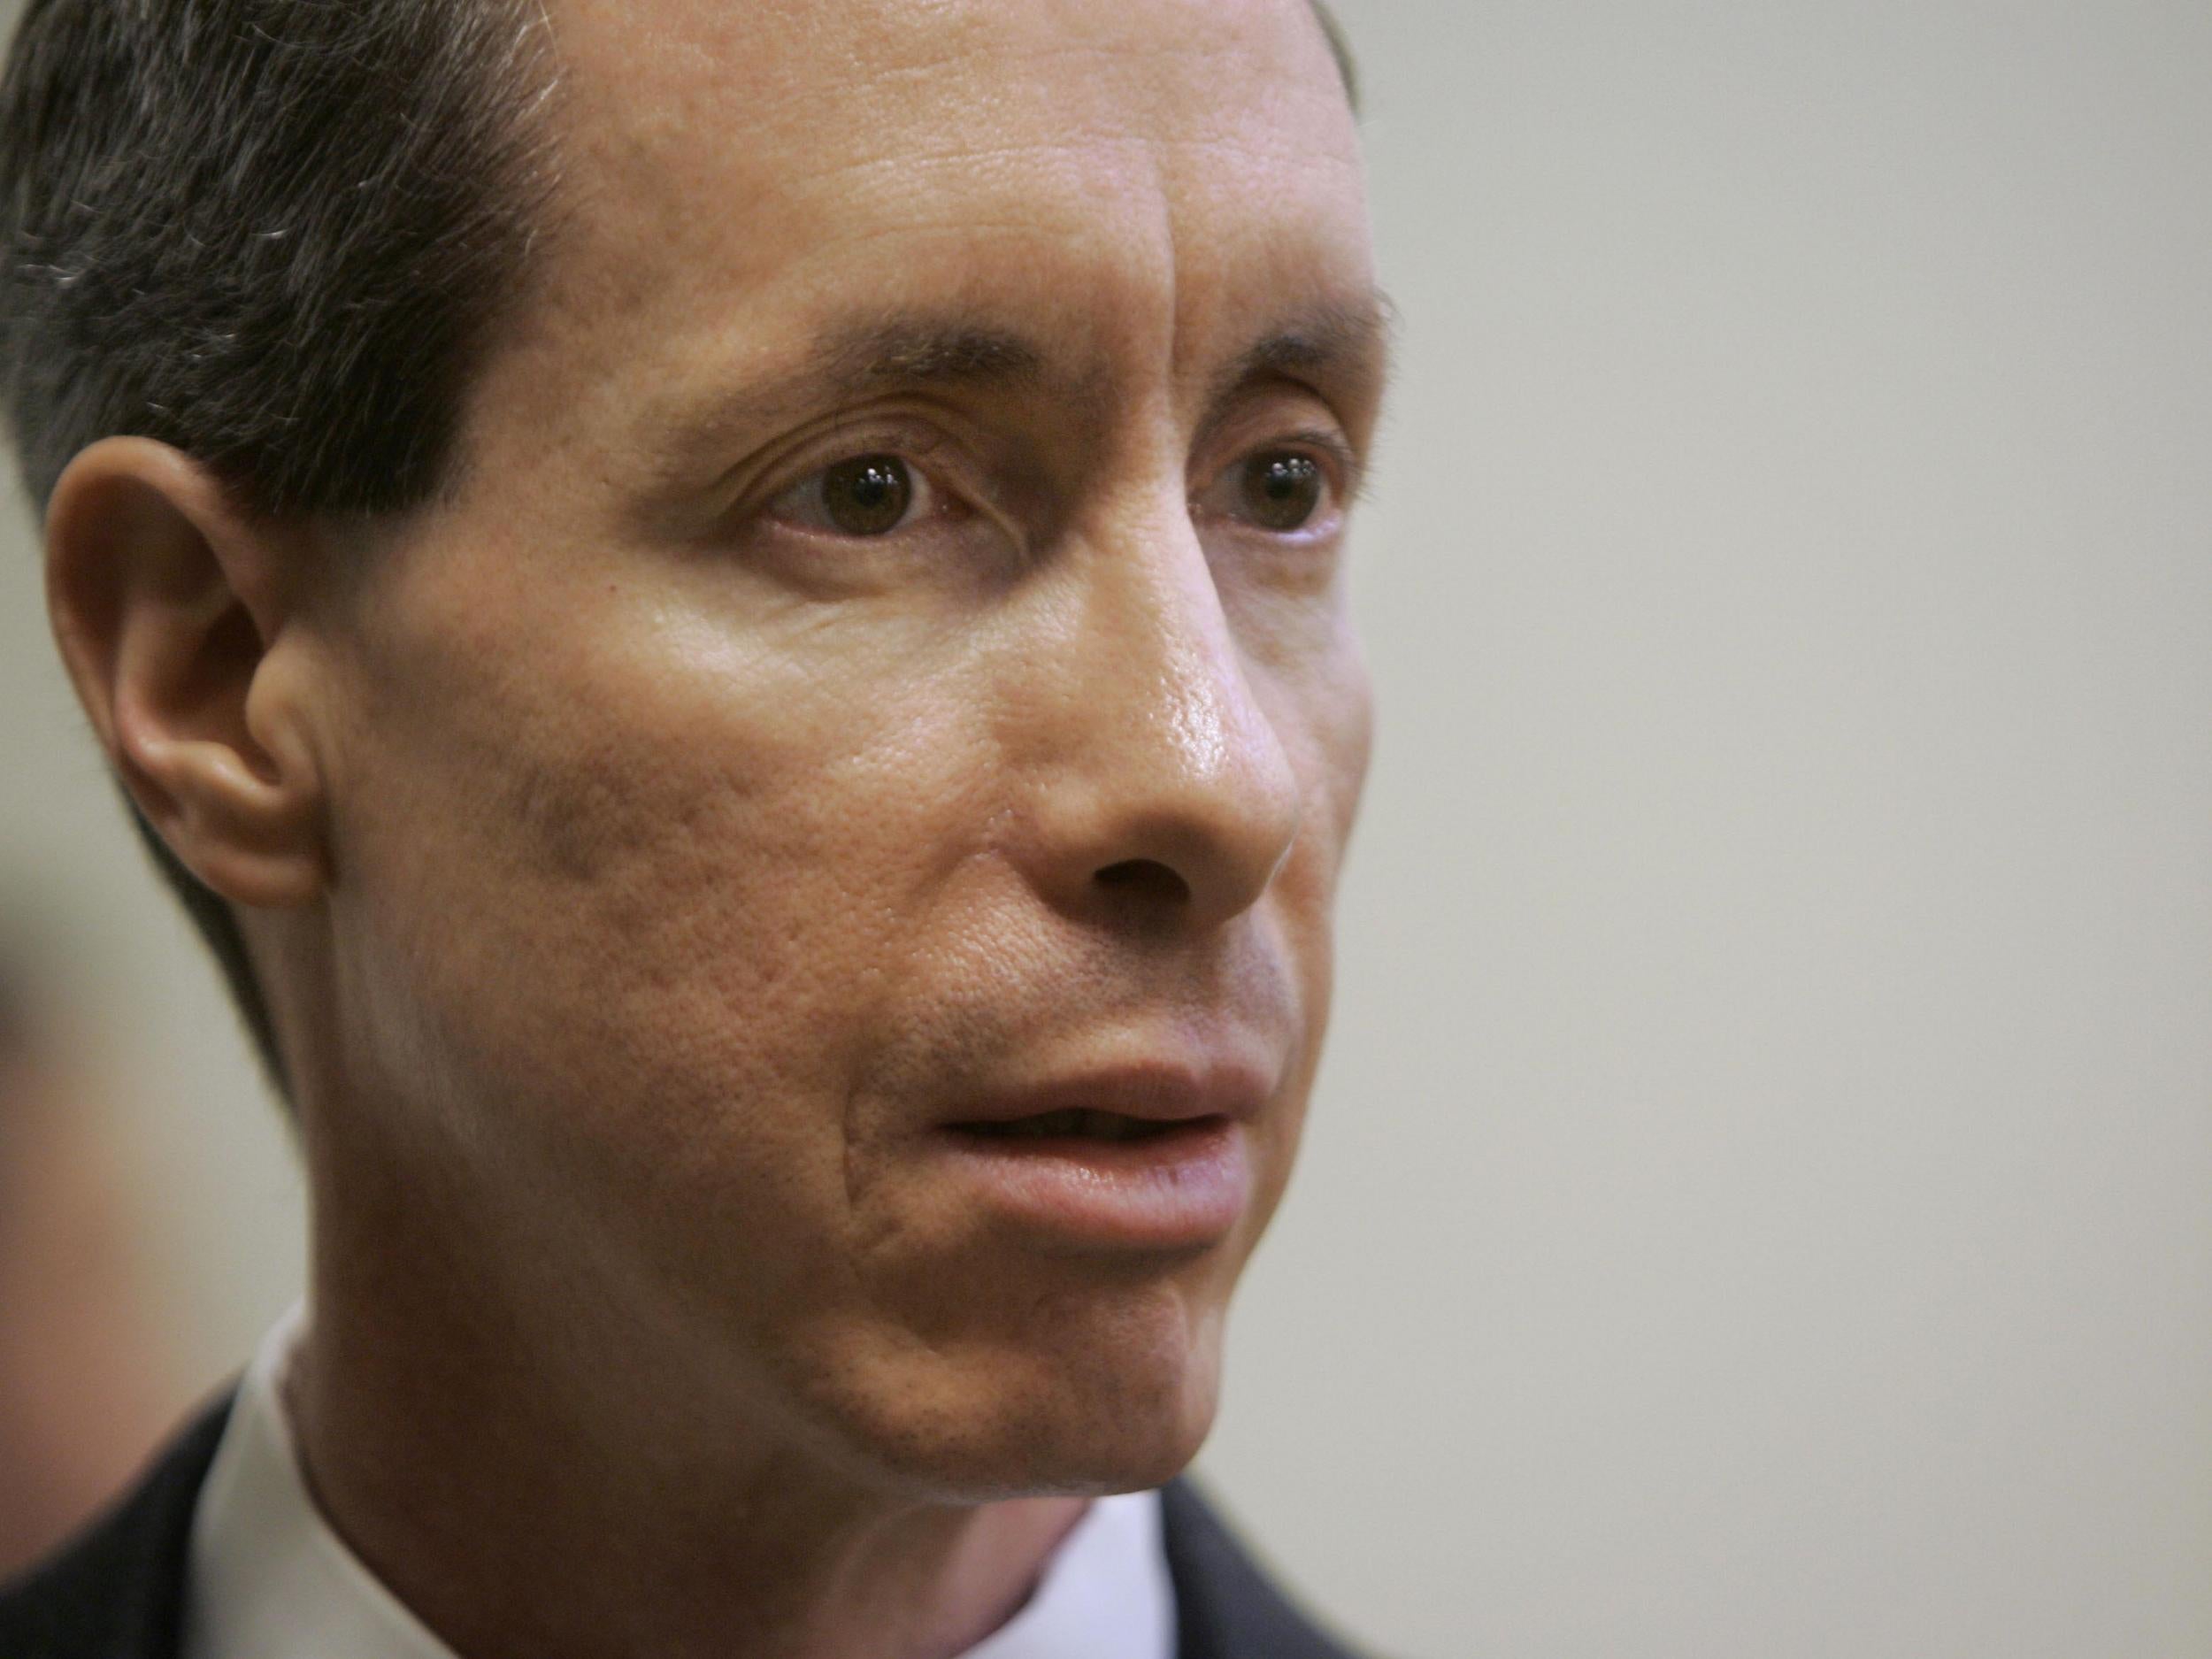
(862,496)
(1281,491)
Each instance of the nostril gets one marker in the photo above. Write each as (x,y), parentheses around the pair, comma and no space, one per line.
(1143,878)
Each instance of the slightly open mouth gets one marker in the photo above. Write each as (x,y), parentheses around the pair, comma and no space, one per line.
(1082,1126)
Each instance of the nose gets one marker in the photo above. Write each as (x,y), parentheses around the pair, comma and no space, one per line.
(1164,790)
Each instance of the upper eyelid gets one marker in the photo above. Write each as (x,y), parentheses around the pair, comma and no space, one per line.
(864,437)
(1349,462)
(1258,422)
(1347,466)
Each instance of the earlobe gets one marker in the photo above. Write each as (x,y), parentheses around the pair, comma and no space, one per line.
(169,606)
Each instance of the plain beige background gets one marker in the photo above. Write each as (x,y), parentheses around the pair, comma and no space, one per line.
(1760,1199)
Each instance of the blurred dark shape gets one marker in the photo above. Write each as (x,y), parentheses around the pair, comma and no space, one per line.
(82,1393)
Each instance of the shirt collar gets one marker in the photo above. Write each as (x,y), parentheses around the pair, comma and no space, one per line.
(269,1578)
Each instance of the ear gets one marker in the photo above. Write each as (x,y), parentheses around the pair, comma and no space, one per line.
(172,610)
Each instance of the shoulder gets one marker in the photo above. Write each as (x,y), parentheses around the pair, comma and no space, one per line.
(117,1591)
(1226,1607)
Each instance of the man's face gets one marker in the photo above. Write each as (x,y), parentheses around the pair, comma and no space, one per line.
(886,666)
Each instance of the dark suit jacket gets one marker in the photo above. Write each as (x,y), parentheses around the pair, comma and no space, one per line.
(117,1592)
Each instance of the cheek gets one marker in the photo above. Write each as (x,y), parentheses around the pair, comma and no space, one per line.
(643,896)
(1313,681)
(1335,697)
(1305,661)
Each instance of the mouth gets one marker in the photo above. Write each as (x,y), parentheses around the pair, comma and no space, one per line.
(1081,1124)
(1142,1160)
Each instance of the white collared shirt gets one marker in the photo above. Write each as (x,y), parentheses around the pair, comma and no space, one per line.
(269,1578)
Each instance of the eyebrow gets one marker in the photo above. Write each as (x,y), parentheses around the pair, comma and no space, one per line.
(1337,338)
(1345,341)
(855,357)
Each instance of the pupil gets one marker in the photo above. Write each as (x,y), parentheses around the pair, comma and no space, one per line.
(867,495)
(1283,491)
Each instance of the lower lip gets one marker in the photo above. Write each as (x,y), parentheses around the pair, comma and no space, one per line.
(1183,1189)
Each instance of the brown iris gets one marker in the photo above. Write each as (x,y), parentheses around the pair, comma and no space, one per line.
(868,495)
(1282,491)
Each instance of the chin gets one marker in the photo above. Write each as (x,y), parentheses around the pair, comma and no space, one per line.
(1121,1406)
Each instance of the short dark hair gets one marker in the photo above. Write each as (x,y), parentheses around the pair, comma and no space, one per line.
(276,235)
(273,233)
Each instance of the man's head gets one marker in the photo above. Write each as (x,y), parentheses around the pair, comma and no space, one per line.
(867,661)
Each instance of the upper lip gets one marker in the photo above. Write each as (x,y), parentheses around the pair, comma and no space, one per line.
(1155,1090)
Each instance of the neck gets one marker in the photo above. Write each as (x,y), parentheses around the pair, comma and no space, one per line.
(525,1487)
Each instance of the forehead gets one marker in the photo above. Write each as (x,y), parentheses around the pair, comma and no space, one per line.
(668,94)
(1127,177)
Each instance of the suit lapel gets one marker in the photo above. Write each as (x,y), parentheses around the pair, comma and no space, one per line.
(1224,1607)
(117,1591)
